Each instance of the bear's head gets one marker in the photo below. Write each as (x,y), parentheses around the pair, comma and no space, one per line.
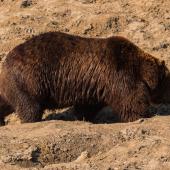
(156,76)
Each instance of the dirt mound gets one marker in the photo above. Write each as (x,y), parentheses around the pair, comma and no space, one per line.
(144,144)
(64,143)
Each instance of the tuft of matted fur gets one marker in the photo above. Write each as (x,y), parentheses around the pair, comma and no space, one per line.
(55,70)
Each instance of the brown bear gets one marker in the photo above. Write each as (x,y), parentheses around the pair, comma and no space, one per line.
(56,70)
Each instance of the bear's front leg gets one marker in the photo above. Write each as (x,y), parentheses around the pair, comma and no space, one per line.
(134,105)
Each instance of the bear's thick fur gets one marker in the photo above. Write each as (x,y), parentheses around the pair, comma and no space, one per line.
(55,70)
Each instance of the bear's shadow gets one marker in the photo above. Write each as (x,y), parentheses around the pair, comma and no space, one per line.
(105,115)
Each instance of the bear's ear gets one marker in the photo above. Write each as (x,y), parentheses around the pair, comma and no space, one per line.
(149,73)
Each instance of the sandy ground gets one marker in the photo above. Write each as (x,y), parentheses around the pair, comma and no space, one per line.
(66,144)
(144,144)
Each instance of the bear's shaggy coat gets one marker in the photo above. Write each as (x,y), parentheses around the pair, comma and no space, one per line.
(55,70)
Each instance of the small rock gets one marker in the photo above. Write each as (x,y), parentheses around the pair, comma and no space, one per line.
(88,28)
(88,1)
(26,3)
(83,156)
(141,120)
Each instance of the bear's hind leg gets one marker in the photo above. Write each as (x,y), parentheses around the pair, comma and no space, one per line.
(5,109)
(28,109)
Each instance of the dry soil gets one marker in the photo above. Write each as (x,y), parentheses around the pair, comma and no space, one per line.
(60,142)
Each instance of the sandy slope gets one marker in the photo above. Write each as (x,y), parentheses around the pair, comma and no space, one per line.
(75,145)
